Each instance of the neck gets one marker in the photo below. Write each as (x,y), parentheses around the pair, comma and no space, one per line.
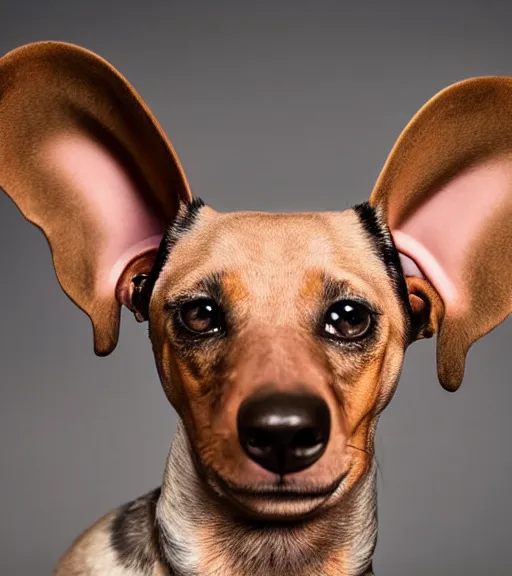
(200,536)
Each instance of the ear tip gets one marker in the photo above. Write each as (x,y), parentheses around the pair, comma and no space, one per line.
(106,330)
(450,377)
(450,365)
(102,349)
(450,386)
(47,47)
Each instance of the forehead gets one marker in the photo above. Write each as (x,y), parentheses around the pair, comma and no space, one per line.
(266,254)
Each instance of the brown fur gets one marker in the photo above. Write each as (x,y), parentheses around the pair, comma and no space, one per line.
(274,310)
(274,275)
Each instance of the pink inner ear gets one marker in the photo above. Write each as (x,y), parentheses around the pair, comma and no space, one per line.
(438,237)
(409,267)
(112,203)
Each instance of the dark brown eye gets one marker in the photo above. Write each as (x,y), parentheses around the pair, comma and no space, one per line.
(202,317)
(347,320)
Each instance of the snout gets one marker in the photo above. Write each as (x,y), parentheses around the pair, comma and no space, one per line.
(278,451)
(274,432)
(283,432)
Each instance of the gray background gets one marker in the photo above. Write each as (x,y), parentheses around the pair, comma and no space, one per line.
(274,106)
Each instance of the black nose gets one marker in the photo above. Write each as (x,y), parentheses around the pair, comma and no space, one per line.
(284,433)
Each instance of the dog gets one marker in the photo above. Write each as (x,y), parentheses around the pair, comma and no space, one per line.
(278,338)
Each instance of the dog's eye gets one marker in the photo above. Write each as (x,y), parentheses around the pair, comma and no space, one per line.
(201,316)
(347,320)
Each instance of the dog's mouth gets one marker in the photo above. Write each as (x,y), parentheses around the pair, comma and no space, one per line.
(281,490)
(282,500)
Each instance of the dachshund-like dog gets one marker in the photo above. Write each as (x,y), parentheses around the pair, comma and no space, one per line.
(278,338)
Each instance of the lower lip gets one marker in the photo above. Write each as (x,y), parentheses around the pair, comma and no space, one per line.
(285,496)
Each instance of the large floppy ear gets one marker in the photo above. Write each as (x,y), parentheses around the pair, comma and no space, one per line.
(84,159)
(446,194)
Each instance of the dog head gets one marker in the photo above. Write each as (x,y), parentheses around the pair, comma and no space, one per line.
(278,338)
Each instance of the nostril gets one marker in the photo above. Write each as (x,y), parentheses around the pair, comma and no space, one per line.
(307,442)
(258,441)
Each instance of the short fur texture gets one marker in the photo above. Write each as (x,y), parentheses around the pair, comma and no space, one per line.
(247,304)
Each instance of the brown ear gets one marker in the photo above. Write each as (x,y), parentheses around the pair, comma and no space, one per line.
(426,307)
(84,160)
(446,194)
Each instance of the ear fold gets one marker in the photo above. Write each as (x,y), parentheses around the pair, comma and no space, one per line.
(84,160)
(446,193)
